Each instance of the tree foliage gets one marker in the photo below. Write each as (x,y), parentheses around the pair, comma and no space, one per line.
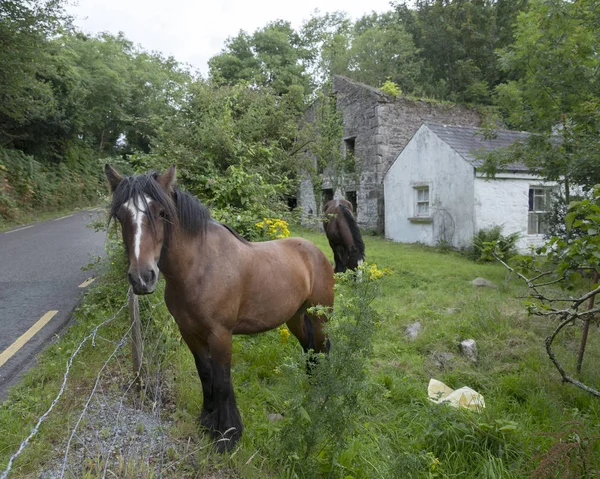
(273,56)
(457,41)
(556,93)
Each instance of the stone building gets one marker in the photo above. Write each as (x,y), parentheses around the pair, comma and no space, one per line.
(377,127)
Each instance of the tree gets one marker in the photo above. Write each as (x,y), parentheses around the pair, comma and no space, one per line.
(557,94)
(235,147)
(327,37)
(382,50)
(457,40)
(236,63)
(27,96)
(273,56)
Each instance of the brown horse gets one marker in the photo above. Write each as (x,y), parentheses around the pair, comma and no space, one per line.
(217,283)
(343,235)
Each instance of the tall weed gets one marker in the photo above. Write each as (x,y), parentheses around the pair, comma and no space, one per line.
(320,436)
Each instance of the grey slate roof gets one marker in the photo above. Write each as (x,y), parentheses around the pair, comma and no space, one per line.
(469,142)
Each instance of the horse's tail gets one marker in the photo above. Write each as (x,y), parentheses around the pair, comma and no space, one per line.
(359,245)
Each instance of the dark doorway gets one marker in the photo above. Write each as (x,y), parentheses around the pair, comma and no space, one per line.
(327,195)
(351,197)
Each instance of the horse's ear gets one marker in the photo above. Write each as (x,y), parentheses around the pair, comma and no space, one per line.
(167,179)
(113,177)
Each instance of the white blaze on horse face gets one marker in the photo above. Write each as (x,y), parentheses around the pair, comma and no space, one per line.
(137,208)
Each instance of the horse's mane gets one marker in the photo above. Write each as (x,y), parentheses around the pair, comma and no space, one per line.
(356,236)
(181,209)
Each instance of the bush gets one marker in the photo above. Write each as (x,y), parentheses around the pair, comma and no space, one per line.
(391,88)
(321,433)
(488,242)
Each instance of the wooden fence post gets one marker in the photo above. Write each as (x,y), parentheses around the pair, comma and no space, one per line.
(136,335)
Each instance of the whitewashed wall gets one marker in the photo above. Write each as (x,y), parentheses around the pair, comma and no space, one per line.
(504,201)
(428,159)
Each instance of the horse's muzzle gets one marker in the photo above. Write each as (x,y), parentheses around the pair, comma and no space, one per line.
(143,282)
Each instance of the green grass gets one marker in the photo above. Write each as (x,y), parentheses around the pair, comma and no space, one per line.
(398,431)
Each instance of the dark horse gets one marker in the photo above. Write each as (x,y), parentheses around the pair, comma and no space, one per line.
(217,283)
(343,235)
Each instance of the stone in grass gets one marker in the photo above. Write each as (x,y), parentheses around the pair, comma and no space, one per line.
(469,349)
(443,359)
(483,283)
(413,331)
(274,417)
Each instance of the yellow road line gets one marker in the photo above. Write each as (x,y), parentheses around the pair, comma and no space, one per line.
(87,282)
(26,336)
(20,229)
(62,217)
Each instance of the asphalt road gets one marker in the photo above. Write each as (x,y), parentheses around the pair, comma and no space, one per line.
(40,272)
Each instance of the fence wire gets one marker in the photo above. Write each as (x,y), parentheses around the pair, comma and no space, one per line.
(35,430)
(107,438)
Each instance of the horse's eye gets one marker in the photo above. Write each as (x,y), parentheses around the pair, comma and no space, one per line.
(162,213)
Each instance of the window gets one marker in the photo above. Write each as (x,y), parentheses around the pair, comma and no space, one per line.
(350,145)
(539,205)
(422,201)
(350,159)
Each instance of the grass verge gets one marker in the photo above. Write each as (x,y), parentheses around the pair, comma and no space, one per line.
(39,216)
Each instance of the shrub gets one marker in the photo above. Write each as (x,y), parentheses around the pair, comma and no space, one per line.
(488,242)
(321,434)
(391,88)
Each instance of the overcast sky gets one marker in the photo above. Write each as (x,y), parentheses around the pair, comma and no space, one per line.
(194,31)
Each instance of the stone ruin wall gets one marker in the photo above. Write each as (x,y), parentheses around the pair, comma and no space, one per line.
(382,126)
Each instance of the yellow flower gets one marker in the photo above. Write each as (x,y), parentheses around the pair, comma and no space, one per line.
(284,334)
(372,272)
(274,228)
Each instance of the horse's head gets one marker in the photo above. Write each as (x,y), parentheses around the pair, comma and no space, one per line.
(144,207)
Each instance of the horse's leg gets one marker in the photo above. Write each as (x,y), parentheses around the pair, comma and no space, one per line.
(201,355)
(308,330)
(321,341)
(340,255)
(225,417)
(298,327)
(204,367)
(337,260)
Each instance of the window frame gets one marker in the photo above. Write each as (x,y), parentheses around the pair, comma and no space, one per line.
(539,229)
(418,188)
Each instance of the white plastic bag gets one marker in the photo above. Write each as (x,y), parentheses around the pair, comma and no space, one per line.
(464,397)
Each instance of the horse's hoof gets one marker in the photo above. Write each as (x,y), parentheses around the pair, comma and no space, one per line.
(207,420)
(227,441)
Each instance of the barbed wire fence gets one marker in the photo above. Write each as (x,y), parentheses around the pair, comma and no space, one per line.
(120,430)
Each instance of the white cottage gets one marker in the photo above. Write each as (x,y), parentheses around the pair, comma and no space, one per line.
(434,192)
